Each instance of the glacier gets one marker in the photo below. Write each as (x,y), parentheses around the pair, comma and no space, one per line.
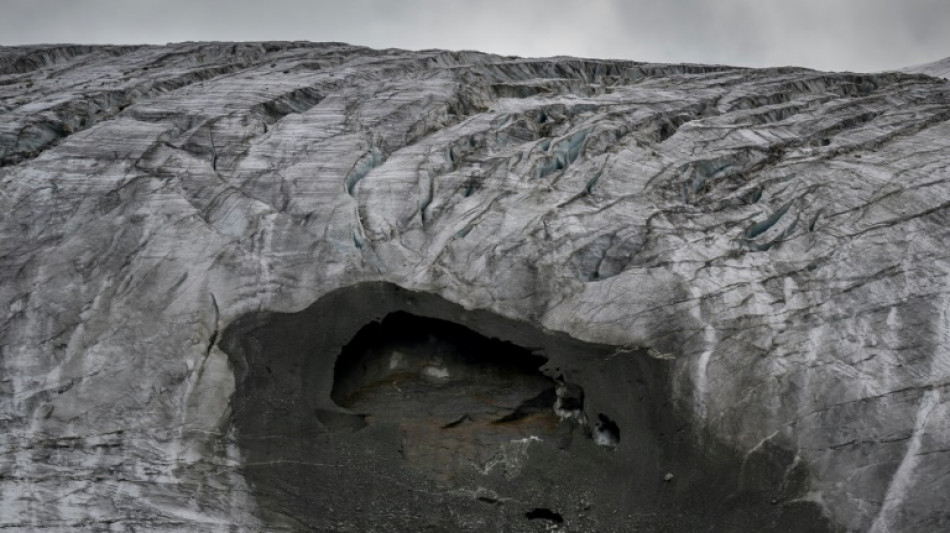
(741,273)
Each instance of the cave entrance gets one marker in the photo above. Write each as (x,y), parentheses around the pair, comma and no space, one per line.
(452,396)
(379,407)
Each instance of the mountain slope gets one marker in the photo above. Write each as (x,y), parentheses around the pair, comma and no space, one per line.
(937,69)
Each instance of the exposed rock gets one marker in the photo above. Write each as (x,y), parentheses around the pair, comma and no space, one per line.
(737,276)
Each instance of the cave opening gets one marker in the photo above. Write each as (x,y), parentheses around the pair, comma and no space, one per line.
(542,513)
(380,405)
(403,347)
(453,397)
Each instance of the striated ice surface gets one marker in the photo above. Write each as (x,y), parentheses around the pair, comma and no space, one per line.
(781,234)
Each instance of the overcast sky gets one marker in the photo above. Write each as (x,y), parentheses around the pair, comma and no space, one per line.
(857,35)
